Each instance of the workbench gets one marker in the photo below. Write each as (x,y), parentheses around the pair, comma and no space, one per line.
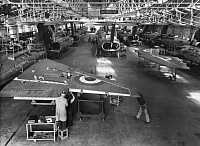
(42,131)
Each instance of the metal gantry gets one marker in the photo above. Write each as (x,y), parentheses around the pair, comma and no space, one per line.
(176,11)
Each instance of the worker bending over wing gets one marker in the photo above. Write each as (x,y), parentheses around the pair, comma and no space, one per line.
(143,108)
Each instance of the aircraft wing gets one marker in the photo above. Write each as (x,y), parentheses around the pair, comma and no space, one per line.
(88,83)
(41,81)
(168,61)
(171,62)
(46,79)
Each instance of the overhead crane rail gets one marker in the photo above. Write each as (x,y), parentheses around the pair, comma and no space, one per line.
(138,10)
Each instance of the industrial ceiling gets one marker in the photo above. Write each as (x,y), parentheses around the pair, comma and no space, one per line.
(184,12)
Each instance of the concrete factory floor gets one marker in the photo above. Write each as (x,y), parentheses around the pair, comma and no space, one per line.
(173,108)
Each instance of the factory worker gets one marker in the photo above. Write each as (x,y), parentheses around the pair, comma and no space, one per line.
(61,110)
(143,108)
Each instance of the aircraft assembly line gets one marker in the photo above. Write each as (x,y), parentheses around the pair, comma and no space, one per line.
(100,58)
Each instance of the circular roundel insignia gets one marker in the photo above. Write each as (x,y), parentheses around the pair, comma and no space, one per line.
(89,80)
(146,50)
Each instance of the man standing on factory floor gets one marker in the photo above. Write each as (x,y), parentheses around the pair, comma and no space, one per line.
(69,110)
(143,108)
(61,112)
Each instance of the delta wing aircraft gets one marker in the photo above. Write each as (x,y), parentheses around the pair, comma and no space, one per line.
(46,79)
(148,56)
(108,42)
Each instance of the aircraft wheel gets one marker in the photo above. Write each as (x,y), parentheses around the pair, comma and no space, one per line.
(80,119)
(118,54)
(103,119)
(174,79)
(171,78)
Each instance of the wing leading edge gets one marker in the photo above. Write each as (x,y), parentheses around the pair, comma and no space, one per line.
(46,79)
(171,62)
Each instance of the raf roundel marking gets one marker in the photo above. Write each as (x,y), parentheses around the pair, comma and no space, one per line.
(89,80)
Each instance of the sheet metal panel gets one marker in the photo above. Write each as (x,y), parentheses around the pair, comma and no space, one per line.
(43,79)
(52,80)
(104,86)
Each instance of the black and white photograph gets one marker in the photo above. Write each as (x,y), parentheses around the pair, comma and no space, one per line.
(99,72)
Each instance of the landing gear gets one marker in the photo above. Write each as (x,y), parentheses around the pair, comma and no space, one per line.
(58,56)
(173,74)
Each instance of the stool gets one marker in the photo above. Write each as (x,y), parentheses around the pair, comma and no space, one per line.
(140,43)
(63,134)
(162,51)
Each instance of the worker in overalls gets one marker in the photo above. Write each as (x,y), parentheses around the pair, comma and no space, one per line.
(61,110)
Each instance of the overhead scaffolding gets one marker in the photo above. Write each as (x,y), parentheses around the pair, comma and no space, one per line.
(185,12)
